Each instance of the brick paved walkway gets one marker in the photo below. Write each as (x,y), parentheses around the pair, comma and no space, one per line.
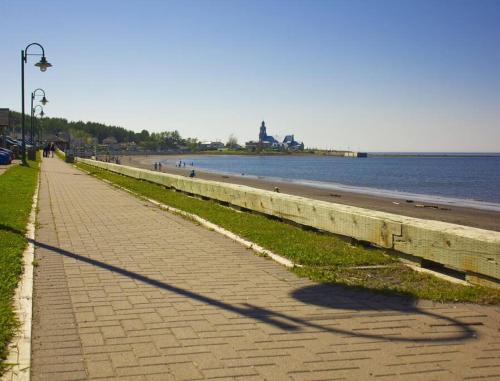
(124,290)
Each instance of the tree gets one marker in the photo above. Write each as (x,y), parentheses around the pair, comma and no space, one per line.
(172,139)
(142,136)
(232,142)
(192,144)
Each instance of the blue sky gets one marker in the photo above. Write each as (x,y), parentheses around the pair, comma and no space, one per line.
(369,75)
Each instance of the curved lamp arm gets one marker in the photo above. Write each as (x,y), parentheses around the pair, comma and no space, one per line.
(33,54)
(41,111)
(42,90)
(44,100)
(43,64)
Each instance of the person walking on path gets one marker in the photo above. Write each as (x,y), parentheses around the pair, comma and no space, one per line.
(52,149)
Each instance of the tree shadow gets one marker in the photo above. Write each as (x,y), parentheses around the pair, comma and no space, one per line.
(326,296)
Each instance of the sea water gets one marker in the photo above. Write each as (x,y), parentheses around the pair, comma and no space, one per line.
(469,180)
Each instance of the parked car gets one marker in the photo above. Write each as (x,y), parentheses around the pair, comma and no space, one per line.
(8,151)
(12,144)
(5,158)
(9,142)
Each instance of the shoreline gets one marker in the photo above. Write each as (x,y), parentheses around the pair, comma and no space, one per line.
(461,215)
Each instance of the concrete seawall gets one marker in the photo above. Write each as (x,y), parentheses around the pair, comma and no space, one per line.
(473,251)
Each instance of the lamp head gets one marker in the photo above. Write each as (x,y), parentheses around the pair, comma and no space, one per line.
(43,64)
(44,101)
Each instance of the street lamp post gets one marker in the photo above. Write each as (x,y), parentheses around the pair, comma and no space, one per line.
(43,101)
(43,65)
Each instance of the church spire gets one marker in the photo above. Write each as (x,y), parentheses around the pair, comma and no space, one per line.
(263,133)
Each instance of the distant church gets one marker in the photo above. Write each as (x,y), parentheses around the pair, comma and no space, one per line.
(268,141)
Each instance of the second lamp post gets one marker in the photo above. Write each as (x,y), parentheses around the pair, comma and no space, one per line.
(33,116)
(43,101)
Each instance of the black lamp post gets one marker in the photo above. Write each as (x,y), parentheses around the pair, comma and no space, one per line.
(43,65)
(43,101)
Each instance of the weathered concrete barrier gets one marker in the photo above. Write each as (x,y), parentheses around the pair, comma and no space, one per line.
(473,251)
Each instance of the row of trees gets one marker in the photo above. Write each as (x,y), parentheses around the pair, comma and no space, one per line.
(91,132)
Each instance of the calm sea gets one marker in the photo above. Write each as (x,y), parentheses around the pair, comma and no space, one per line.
(471,181)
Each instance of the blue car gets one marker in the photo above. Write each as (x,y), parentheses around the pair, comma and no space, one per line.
(5,158)
(8,151)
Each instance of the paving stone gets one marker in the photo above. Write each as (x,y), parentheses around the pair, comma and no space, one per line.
(165,341)
(160,377)
(185,371)
(123,359)
(98,369)
(91,339)
(184,333)
(145,349)
(113,331)
(133,324)
(103,311)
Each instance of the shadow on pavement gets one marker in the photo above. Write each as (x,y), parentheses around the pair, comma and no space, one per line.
(326,296)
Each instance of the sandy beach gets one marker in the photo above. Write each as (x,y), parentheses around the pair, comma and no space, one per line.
(484,219)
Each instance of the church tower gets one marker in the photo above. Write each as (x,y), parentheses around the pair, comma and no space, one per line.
(263,133)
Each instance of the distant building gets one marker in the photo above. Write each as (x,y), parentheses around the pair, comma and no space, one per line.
(109,140)
(268,141)
(252,145)
(291,144)
(355,154)
(209,145)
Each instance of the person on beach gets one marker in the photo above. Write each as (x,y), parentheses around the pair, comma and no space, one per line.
(156,166)
(159,166)
(192,174)
(184,164)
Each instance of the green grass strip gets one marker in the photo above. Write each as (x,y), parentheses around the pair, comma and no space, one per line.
(60,154)
(17,186)
(325,258)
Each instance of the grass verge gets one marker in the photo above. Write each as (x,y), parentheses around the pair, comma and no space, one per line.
(60,154)
(17,186)
(325,258)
